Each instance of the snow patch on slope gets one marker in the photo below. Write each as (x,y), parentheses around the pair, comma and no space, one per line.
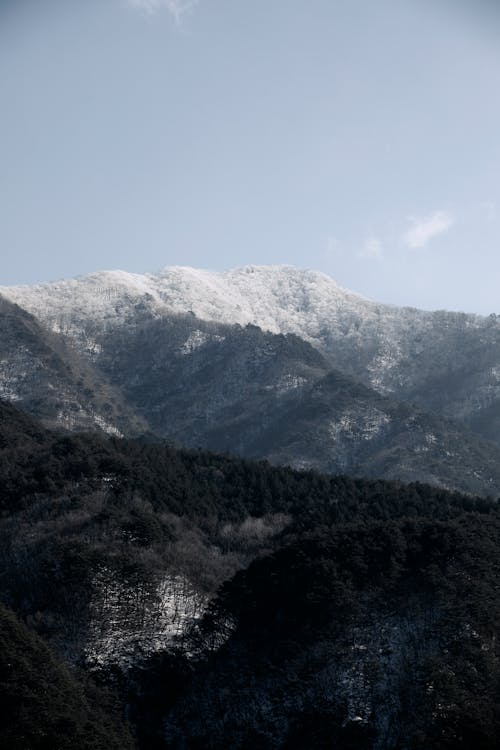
(352,428)
(196,339)
(354,425)
(72,416)
(288,382)
(131,618)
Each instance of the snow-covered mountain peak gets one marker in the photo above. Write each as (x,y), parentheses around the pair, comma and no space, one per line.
(276,298)
(141,330)
(372,339)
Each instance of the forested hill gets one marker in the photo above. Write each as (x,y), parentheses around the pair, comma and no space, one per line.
(297,606)
(35,461)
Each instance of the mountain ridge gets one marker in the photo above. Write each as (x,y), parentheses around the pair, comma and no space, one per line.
(220,359)
(396,350)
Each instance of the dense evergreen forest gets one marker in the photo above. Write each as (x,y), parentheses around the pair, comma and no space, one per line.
(215,602)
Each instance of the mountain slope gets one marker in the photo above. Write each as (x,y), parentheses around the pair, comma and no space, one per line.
(45,705)
(235,389)
(365,636)
(449,362)
(339,425)
(261,395)
(42,373)
(360,612)
(188,377)
(111,547)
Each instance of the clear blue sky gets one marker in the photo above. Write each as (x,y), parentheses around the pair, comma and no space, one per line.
(357,137)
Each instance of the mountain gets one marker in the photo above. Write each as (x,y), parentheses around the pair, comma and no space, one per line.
(442,361)
(355,387)
(237,603)
(85,519)
(231,603)
(262,395)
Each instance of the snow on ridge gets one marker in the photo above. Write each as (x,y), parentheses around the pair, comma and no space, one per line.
(277,298)
(381,339)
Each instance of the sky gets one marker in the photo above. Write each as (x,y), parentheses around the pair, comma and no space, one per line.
(356,137)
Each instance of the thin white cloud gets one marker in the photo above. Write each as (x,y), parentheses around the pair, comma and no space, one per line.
(176,8)
(425,229)
(372,249)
